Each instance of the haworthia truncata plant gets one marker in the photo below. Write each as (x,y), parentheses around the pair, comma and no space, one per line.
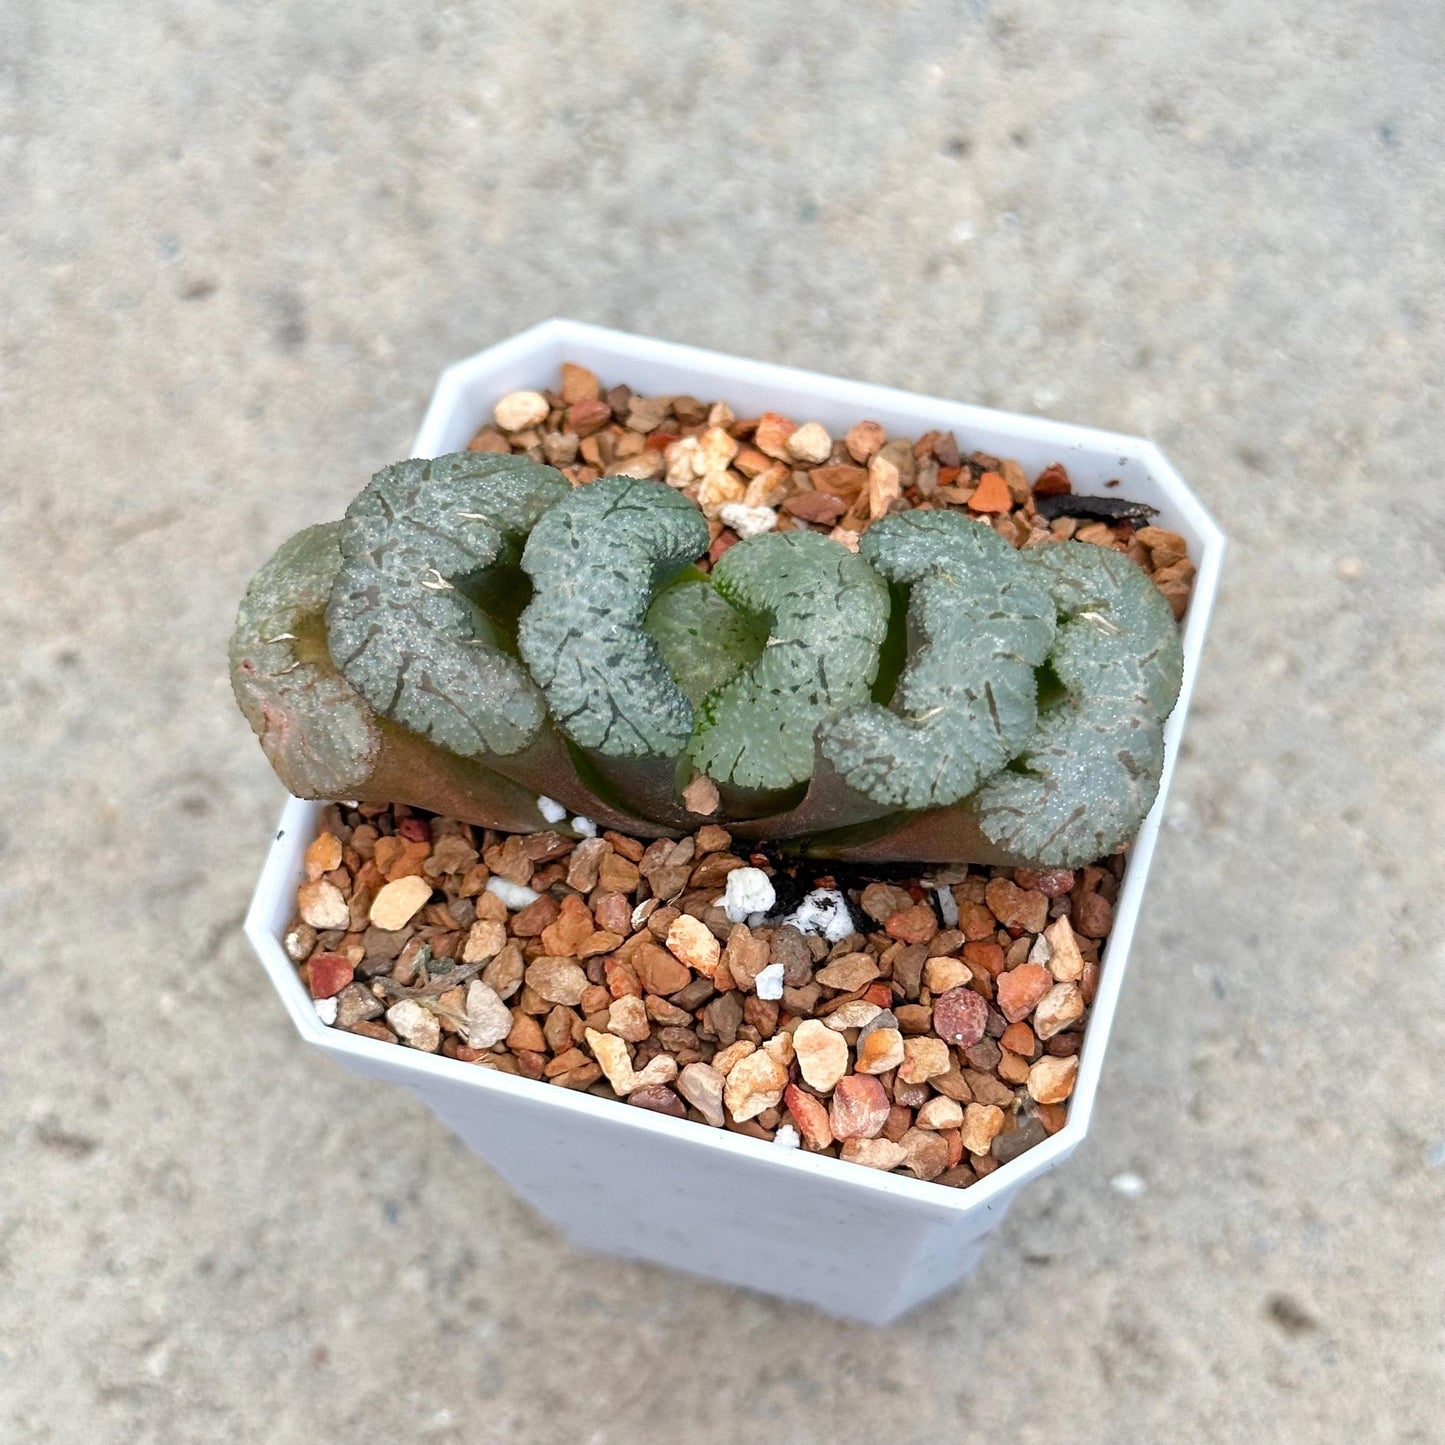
(477,630)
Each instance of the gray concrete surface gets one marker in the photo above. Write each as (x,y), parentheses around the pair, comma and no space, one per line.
(236,245)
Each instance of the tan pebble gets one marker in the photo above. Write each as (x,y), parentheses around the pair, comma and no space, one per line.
(660,1069)
(701,796)
(822,1054)
(718,489)
(1060,1008)
(299,941)
(415,1026)
(874,1153)
(526,1034)
(558,980)
(702,1086)
(716,448)
(725,1059)
(489,1020)
(485,940)
(981,1123)
(925,1153)
(942,974)
(692,941)
(323,854)
(1051,1080)
(940,1113)
(772,434)
(885,486)
(659,971)
(321,905)
(845,537)
(1012,1068)
(753,1084)
(569,930)
(781,1048)
(684,462)
(612,1053)
(1065,961)
(880,1051)
(924,1058)
(579,384)
(397,903)
(851,971)
(863,440)
(519,410)
(857,1013)
(627,1018)
(810,443)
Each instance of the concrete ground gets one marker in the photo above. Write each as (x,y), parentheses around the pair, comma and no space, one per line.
(237,243)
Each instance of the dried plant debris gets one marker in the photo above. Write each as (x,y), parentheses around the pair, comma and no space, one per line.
(833,1011)
(1101,509)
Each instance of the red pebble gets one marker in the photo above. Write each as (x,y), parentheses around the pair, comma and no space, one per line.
(660,1099)
(811,1117)
(1053,883)
(860,1108)
(329,974)
(959,1016)
(1020,989)
(414,830)
(1053,481)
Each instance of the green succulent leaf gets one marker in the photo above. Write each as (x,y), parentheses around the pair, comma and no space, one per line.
(824,612)
(703,639)
(318,734)
(401,625)
(595,561)
(1088,779)
(1089,776)
(1117,635)
(981,621)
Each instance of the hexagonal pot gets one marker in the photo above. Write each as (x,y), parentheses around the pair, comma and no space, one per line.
(627,1181)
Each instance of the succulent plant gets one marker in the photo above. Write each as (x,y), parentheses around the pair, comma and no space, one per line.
(481,638)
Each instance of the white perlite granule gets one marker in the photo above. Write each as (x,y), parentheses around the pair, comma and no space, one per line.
(747,521)
(769,982)
(749,891)
(787,1136)
(585,826)
(325,1010)
(514,895)
(824,911)
(551,810)
(947,907)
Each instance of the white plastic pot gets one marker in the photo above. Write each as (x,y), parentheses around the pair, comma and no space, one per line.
(847,1239)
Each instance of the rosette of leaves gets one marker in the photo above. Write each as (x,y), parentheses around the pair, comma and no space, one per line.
(479,637)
